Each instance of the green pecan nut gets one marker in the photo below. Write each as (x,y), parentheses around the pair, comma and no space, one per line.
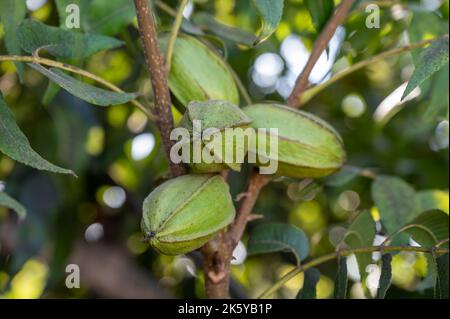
(199,74)
(183,213)
(307,145)
(227,146)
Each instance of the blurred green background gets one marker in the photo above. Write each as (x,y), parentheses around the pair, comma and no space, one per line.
(93,221)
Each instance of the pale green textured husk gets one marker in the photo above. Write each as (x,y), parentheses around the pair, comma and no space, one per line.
(182,214)
(307,145)
(220,115)
(199,74)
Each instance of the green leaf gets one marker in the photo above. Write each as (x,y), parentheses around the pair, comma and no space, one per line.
(424,25)
(433,199)
(190,28)
(321,11)
(203,19)
(86,92)
(433,227)
(386,276)
(110,17)
(12,13)
(361,233)
(442,279)
(439,100)
(14,144)
(276,237)
(341,281)
(61,43)
(396,202)
(432,59)
(9,202)
(311,278)
(343,176)
(271,12)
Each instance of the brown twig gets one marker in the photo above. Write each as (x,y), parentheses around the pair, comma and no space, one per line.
(313,91)
(256,183)
(218,253)
(319,46)
(158,75)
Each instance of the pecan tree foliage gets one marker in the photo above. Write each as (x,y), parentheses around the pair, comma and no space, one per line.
(188,63)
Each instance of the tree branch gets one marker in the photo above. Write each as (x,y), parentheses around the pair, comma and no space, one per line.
(256,183)
(158,76)
(319,46)
(311,92)
(218,253)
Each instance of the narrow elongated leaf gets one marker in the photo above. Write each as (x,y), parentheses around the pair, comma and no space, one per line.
(433,199)
(12,13)
(62,43)
(224,31)
(396,202)
(311,278)
(341,281)
(271,12)
(361,233)
(70,13)
(424,25)
(386,276)
(190,28)
(276,237)
(321,11)
(433,58)
(442,279)
(432,228)
(429,228)
(9,202)
(439,101)
(82,90)
(14,144)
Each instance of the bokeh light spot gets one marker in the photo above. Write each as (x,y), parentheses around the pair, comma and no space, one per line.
(349,200)
(94,232)
(353,105)
(114,197)
(142,146)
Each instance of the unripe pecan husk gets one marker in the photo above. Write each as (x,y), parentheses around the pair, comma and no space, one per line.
(224,117)
(182,214)
(308,147)
(198,74)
